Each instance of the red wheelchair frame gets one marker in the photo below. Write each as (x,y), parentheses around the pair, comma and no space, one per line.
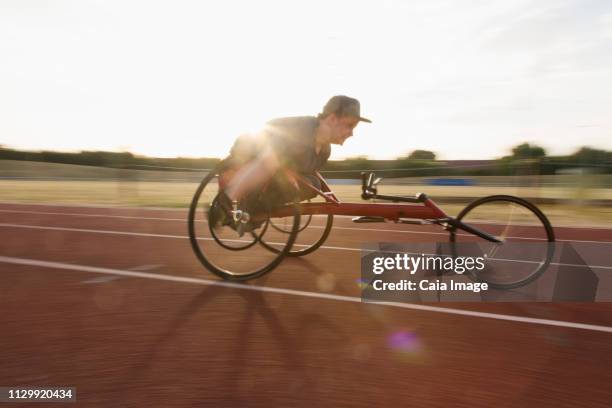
(419,209)
(426,209)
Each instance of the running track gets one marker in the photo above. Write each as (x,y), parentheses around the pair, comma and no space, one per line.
(113,302)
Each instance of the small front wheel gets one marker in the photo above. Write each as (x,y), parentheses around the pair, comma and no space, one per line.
(313,231)
(526,236)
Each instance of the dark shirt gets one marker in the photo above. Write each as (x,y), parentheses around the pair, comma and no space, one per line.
(293,140)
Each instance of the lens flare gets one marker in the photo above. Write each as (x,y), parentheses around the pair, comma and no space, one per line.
(362,283)
(407,345)
(404,341)
(326,282)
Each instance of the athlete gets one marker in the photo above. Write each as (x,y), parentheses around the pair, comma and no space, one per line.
(302,144)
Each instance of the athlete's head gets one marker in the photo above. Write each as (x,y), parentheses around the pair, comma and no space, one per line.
(339,118)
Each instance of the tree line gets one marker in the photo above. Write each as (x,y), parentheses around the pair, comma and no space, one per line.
(123,160)
(525,159)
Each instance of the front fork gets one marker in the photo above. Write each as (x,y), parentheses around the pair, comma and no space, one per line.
(453,224)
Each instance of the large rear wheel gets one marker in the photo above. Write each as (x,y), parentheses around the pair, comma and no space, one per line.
(227,248)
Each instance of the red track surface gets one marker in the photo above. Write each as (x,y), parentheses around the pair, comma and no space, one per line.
(128,341)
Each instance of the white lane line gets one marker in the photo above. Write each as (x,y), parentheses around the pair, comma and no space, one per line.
(185,211)
(94,206)
(127,217)
(105,279)
(210,239)
(144,234)
(94,231)
(132,217)
(292,292)
(144,268)
(102,279)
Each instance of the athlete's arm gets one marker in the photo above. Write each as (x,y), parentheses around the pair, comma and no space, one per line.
(253,175)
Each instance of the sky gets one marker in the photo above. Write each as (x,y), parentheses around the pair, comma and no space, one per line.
(466,79)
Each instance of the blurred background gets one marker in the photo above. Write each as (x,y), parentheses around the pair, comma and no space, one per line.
(103,101)
(573,190)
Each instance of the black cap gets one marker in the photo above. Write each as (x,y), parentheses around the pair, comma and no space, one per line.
(343,105)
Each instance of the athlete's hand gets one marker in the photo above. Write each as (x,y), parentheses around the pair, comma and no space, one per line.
(293,180)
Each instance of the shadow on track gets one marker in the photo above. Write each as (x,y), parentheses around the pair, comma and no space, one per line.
(307,334)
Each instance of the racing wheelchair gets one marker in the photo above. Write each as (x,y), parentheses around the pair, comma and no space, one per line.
(242,244)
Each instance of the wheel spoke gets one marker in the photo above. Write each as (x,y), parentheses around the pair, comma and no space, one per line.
(228,248)
(525,252)
(308,239)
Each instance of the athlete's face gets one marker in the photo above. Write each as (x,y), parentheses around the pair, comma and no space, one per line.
(342,128)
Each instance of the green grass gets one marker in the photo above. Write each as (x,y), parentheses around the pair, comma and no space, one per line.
(178,195)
